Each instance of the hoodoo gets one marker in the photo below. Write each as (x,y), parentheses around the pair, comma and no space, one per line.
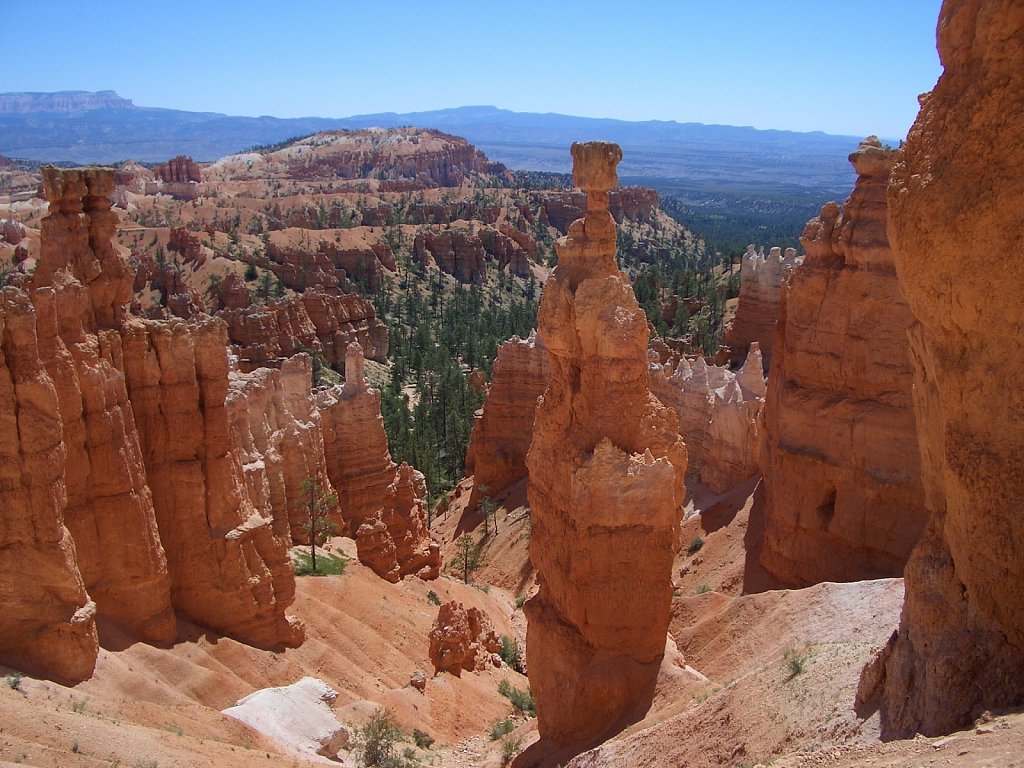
(842,476)
(956,214)
(606,468)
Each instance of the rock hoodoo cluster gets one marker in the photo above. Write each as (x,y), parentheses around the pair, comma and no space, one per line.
(606,487)
(956,214)
(842,478)
(760,301)
(463,640)
(147,479)
(382,504)
(503,428)
(719,414)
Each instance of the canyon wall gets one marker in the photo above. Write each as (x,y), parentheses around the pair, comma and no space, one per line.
(842,477)
(502,430)
(315,321)
(760,301)
(956,220)
(606,470)
(381,503)
(719,414)
(127,498)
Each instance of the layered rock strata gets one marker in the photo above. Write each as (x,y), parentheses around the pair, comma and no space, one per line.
(760,301)
(842,476)
(381,503)
(503,428)
(719,415)
(956,220)
(606,486)
(316,322)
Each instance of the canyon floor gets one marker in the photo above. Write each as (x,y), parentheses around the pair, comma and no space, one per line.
(765,678)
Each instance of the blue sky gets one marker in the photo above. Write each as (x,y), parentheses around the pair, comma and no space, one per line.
(848,68)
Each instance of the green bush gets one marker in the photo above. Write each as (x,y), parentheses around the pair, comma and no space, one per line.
(695,544)
(422,738)
(376,740)
(501,728)
(13,680)
(326,565)
(433,598)
(511,654)
(509,749)
(521,700)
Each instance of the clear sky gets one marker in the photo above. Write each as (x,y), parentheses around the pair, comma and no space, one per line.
(847,68)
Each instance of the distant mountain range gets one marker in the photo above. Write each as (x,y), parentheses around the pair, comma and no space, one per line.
(102,127)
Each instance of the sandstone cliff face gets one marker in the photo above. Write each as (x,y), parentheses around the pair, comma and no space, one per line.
(760,301)
(277,435)
(315,321)
(955,205)
(606,485)
(719,414)
(47,625)
(381,504)
(842,478)
(458,253)
(230,569)
(181,169)
(463,640)
(634,203)
(79,290)
(502,430)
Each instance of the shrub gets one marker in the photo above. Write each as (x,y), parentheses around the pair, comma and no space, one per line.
(509,749)
(695,544)
(501,728)
(422,738)
(433,598)
(510,653)
(794,663)
(376,740)
(520,601)
(521,700)
(326,565)
(13,680)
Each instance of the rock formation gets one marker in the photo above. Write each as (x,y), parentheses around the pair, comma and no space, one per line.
(463,639)
(503,428)
(315,321)
(719,414)
(458,253)
(47,625)
(760,301)
(606,487)
(277,434)
(381,503)
(956,218)
(633,203)
(842,478)
(181,170)
(126,497)
(229,564)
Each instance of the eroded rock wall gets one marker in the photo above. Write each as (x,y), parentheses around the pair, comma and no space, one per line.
(381,503)
(503,429)
(606,486)
(956,221)
(842,475)
(760,301)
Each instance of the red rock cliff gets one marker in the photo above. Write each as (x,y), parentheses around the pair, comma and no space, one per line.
(842,477)
(606,485)
(503,429)
(956,221)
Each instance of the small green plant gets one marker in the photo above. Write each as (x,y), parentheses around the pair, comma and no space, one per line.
(703,589)
(695,544)
(468,556)
(326,565)
(422,738)
(510,747)
(511,654)
(78,705)
(13,681)
(520,601)
(376,740)
(74,746)
(433,598)
(794,663)
(501,728)
(521,700)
